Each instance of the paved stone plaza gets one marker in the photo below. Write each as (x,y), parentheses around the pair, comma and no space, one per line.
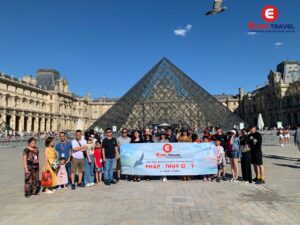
(155,202)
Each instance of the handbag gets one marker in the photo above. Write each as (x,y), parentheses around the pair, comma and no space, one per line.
(54,165)
(46,179)
(245,148)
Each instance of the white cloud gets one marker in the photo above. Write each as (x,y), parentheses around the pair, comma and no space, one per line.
(277,44)
(251,33)
(188,27)
(183,31)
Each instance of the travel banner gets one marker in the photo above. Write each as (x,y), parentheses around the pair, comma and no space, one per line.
(168,159)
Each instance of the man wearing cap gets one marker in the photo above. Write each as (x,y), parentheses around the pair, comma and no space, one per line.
(255,142)
(123,139)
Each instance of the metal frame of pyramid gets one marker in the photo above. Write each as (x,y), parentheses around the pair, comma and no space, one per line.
(167,95)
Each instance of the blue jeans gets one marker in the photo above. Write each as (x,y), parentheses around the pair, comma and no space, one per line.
(68,168)
(89,170)
(109,166)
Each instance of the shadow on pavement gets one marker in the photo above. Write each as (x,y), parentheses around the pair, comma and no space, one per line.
(281,157)
(287,165)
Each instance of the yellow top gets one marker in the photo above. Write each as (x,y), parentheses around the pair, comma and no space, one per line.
(184,139)
(51,153)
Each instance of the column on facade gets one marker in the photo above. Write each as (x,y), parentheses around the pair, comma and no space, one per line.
(36,123)
(3,116)
(47,124)
(73,127)
(13,120)
(43,123)
(29,121)
(68,124)
(21,122)
(54,123)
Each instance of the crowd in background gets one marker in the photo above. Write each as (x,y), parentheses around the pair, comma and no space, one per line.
(82,162)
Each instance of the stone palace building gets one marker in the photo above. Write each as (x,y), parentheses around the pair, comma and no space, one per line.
(45,103)
(278,100)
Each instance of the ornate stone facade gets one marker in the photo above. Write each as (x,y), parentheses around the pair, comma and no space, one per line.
(277,101)
(45,103)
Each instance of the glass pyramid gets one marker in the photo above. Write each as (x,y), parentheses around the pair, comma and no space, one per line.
(167,95)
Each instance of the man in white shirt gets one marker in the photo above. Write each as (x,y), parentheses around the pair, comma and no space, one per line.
(78,149)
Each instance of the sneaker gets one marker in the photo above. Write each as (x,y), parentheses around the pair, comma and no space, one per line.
(73,187)
(218,180)
(113,182)
(259,181)
(92,184)
(80,185)
(231,180)
(59,188)
(88,185)
(255,179)
(246,182)
(165,179)
(107,182)
(49,191)
(262,181)
(224,178)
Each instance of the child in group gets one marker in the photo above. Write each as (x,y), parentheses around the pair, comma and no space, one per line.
(62,177)
(221,160)
(98,162)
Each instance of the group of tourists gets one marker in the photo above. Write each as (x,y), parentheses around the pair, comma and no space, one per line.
(284,137)
(83,160)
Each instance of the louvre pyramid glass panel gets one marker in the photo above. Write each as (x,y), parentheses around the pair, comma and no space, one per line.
(167,95)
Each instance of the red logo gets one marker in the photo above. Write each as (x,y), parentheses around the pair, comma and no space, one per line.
(270,14)
(167,148)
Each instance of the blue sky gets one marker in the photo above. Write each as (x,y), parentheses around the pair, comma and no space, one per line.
(106,46)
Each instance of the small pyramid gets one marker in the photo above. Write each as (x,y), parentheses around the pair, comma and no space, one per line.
(167,95)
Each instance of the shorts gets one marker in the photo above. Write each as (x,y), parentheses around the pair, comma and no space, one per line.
(233,154)
(223,160)
(118,164)
(287,136)
(256,157)
(221,166)
(99,170)
(77,164)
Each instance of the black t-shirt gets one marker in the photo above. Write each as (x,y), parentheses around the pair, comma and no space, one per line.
(134,141)
(255,141)
(109,147)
